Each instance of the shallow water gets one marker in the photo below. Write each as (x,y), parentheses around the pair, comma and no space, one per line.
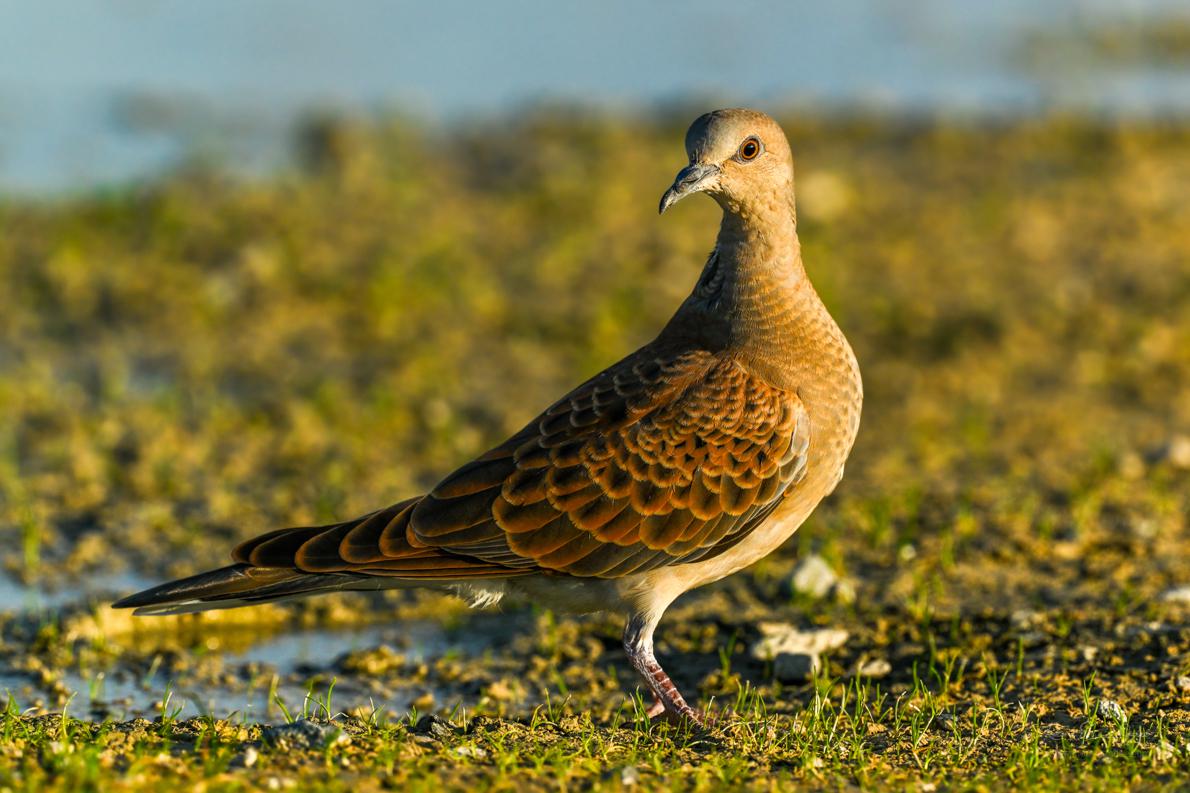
(253,676)
(290,657)
(18,597)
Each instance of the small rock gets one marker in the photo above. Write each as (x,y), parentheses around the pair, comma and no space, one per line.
(778,637)
(1025,618)
(629,776)
(1183,682)
(793,653)
(250,757)
(1110,709)
(1165,752)
(813,577)
(1178,452)
(434,727)
(796,667)
(474,752)
(1179,594)
(876,667)
(302,734)
(1145,528)
(946,722)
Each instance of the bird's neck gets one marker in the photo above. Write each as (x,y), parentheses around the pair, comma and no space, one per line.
(754,299)
(759,243)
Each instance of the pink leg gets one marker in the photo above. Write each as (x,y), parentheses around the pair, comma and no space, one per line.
(667,700)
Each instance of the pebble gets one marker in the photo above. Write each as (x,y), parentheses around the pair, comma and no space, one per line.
(795,654)
(1179,451)
(474,752)
(946,722)
(1179,594)
(1110,709)
(1165,752)
(814,577)
(302,734)
(434,727)
(796,667)
(1025,618)
(876,667)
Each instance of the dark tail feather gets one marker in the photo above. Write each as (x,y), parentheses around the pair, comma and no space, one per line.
(238,585)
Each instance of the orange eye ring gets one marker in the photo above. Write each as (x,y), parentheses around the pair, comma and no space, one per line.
(750,149)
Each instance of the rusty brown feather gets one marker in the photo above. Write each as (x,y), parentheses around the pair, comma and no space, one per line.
(651,462)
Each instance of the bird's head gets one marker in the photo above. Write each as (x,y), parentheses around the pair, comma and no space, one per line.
(739,157)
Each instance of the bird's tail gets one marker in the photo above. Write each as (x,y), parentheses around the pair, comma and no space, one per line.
(242,585)
(368,553)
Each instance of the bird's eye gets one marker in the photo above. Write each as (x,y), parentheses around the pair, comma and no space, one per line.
(749,149)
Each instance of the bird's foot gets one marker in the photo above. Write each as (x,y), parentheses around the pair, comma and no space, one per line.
(656,709)
(686,717)
(676,713)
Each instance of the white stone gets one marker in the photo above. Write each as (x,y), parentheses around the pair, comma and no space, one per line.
(1110,709)
(1179,451)
(876,667)
(813,576)
(781,637)
(1179,594)
(795,654)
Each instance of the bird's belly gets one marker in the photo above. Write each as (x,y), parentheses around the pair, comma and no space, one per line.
(567,593)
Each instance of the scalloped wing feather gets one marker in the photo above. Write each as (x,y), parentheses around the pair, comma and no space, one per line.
(660,459)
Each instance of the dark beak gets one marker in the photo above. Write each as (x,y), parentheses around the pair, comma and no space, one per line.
(692,179)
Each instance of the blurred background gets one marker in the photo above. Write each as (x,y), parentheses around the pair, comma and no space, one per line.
(109,92)
(275,263)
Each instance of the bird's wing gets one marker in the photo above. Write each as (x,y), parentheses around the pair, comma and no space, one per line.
(664,458)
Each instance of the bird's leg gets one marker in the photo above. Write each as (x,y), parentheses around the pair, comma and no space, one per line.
(667,700)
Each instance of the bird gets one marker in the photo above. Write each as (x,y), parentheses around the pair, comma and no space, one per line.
(685,462)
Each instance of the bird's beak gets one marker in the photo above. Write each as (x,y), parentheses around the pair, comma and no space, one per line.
(693,178)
